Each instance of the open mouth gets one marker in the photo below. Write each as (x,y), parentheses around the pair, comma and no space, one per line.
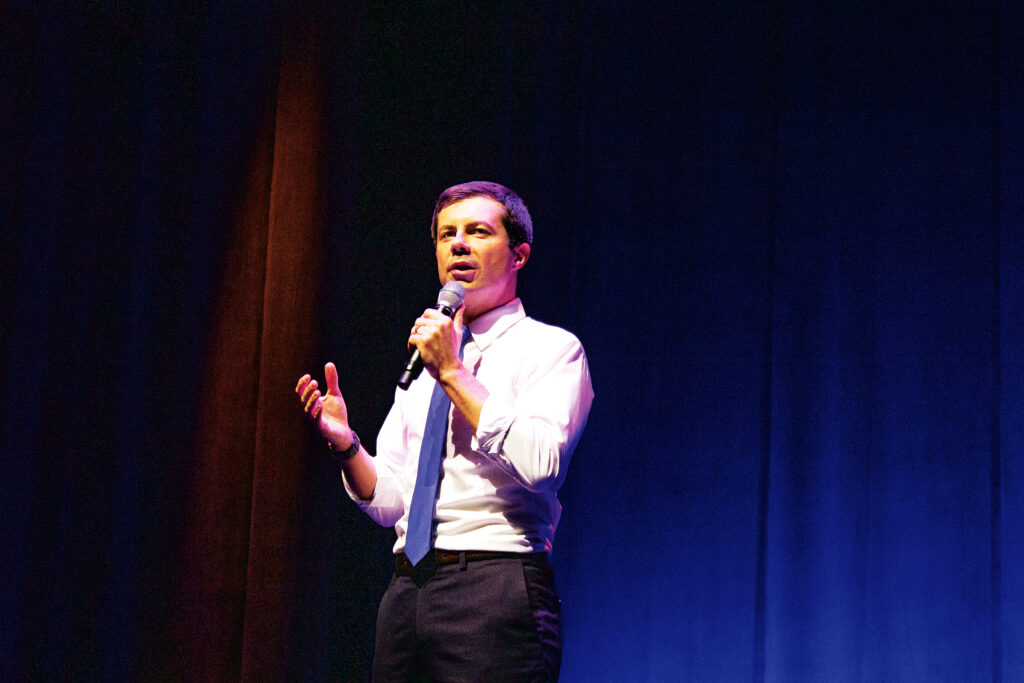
(461,271)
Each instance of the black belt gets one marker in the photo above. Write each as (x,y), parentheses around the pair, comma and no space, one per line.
(436,558)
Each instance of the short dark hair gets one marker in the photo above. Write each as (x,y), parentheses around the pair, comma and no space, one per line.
(516,220)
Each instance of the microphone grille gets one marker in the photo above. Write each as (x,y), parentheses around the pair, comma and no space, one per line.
(451,296)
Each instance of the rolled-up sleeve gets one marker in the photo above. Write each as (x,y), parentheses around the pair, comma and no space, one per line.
(386,506)
(530,427)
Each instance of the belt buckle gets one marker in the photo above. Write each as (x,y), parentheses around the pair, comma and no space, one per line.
(421,573)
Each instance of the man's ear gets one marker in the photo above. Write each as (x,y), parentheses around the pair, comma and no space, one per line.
(521,254)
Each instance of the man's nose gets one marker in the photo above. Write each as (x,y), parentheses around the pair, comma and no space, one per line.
(459,242)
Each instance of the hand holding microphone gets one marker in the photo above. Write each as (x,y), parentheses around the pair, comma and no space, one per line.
(449,300)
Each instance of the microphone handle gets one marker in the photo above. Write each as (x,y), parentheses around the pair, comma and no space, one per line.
(413,368)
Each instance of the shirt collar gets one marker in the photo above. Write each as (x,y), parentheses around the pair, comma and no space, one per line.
(494,322)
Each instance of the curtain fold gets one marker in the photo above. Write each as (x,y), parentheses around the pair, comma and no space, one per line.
(252,455)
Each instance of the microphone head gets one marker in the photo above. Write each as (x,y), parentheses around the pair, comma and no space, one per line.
(451,296)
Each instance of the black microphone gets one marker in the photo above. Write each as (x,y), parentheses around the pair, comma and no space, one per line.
(449,299)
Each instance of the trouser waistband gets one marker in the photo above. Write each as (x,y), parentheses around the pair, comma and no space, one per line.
(437,558)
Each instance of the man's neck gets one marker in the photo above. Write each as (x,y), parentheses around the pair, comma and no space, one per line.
(472,315)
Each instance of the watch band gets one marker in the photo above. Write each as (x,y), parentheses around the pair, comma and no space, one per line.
(348,453)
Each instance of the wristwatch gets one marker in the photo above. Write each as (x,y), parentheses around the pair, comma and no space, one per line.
(350,452)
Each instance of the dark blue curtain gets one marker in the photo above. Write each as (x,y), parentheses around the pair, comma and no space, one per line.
(790,237)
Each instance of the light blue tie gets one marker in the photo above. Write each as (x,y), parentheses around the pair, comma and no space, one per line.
(421,509)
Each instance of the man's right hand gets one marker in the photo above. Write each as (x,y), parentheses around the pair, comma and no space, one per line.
(328,411)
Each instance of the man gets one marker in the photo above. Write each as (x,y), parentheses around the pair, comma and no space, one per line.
(481,604)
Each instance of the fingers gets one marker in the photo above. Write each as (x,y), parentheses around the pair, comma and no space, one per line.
(331,375)
(429,323)
(313,405)
(307,390)
(309,394)
(414,336)
(433,314)
(425,326)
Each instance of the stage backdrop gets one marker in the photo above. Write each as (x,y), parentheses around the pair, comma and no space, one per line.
(790,237)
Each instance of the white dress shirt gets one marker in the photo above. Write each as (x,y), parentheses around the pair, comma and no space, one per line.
(498,488)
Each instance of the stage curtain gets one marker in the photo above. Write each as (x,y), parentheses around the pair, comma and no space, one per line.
(789,236)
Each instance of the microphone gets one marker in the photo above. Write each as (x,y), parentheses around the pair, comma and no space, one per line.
(449,299)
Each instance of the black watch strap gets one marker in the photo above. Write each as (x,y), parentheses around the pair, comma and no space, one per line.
(350,452)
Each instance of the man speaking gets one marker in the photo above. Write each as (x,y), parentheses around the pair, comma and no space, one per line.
(469,459)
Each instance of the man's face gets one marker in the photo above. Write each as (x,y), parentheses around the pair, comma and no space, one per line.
(472,247)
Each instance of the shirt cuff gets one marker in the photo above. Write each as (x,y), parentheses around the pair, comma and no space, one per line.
(496,418)
(384,507)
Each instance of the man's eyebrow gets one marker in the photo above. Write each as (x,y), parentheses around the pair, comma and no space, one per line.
(471,224)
